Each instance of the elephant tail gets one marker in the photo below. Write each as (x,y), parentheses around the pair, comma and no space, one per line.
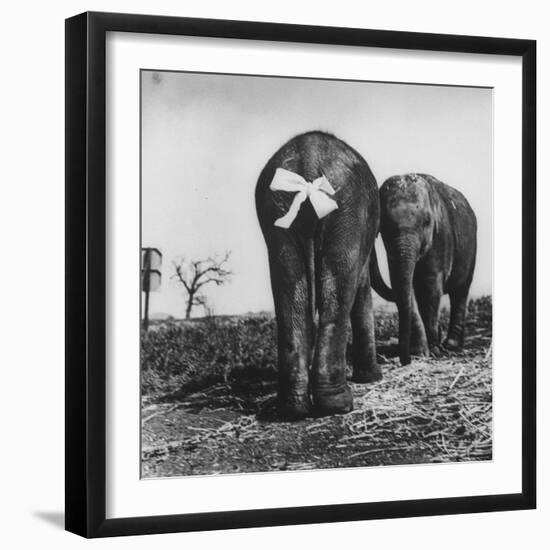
(311,278)
(377,281)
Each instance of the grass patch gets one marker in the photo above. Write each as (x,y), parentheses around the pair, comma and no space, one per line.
(180,357)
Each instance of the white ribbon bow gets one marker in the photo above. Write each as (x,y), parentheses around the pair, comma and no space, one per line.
(317,191)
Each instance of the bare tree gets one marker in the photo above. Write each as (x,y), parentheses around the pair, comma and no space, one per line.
(196,274)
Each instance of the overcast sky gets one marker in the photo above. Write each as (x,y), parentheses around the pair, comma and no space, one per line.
(205,139)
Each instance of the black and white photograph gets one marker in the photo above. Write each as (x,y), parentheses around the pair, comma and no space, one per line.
(275,275)
(316,273)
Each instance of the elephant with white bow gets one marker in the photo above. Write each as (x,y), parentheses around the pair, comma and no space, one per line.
(318,207)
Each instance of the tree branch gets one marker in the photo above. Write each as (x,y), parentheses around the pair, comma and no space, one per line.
(200,273)
(179,275)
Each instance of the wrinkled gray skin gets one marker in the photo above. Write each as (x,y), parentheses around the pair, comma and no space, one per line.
(321,266)
(429,231)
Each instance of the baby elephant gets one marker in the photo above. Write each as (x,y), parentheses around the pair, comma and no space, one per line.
(318,207)
(429,231)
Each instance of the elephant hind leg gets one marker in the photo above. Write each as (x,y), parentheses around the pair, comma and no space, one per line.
(294,328)
(336,292)
(365,367)
(455,334)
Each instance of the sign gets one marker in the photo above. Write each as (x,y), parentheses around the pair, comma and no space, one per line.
(151,261)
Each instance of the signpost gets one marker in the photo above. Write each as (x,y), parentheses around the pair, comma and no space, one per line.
(151,260)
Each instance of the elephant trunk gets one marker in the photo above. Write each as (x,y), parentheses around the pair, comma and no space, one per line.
(403,261)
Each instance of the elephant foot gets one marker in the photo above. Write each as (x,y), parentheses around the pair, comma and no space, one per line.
(294,407)
(327,402)
(420,351)
(365,376)
(452,344)
(405,359)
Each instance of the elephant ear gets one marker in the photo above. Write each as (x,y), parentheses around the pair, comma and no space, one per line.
(435,203)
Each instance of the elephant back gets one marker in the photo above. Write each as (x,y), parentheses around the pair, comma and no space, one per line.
(313,155)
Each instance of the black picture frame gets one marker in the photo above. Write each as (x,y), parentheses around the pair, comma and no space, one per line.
(86,285)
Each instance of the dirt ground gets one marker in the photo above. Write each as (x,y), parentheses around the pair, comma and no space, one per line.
(434,410)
